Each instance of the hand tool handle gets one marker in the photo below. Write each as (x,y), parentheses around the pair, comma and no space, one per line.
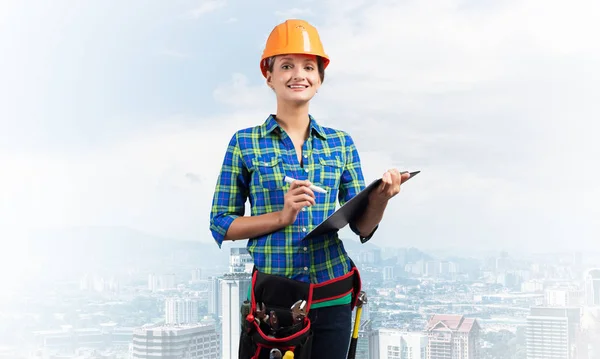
(352,350)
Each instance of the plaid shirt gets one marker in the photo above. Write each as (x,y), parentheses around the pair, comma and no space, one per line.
(256,161)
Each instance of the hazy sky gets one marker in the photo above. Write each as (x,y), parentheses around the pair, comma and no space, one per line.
(119,112)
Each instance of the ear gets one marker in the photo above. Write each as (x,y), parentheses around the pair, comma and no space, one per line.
(269,79)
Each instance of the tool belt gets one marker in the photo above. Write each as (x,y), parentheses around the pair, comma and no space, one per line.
(276,316)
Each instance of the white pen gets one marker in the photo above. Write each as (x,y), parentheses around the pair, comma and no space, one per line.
(313,187)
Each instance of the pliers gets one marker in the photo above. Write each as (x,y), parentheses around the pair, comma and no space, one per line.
(298,311)
(261,312)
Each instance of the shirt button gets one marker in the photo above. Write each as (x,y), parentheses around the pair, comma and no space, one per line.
(305,268)
(303,229)
(305,156)
(303,209)
(306,169)
(305,249)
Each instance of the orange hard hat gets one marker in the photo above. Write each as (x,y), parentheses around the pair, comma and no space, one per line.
(293,37)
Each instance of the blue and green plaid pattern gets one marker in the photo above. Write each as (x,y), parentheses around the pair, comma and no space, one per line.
(256,161)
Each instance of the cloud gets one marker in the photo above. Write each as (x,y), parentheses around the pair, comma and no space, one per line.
(494,101)
(238,93)
(174,53)
(160,180)
(486,99)
(293,13)
(205,7)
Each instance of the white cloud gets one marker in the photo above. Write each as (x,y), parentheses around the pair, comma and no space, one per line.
(488,99)
(293,13)
(205,7)
(143,182)
(494,101)
(239,94)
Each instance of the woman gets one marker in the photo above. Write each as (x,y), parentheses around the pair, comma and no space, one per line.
(292,143)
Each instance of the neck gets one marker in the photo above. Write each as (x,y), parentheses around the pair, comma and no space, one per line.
(293,119)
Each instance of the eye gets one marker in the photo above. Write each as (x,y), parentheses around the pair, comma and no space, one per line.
(310,68)
(286,66)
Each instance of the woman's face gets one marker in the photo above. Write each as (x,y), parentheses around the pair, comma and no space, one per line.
(295,78)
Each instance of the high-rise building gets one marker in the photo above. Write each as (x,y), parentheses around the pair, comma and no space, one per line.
(592,287)
(388,273)
(453,337)
(234,290)
(552,333)
(240,261)
(563,297)
(364,339)
(214,296)
(194,341)
(161,282)
(397,344)
(181,311)
(196,275)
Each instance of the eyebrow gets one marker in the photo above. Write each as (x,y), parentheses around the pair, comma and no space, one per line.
(291,59)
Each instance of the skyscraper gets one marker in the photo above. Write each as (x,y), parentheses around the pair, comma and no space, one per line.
(234,287)
(194,341)
(181,311)
(592,287)
(552,333)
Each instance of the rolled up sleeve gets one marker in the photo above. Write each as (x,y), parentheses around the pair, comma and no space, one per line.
(231,192)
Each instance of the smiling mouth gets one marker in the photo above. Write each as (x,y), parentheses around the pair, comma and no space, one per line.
(298,87)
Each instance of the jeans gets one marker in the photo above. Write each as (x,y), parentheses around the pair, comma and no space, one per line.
(332,327)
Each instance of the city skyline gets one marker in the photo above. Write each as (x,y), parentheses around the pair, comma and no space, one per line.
(498,307)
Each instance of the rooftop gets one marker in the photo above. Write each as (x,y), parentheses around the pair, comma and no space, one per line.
(455,323)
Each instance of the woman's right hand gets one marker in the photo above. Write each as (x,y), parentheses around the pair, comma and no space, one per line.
(298,196)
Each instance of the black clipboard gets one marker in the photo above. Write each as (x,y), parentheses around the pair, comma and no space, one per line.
(350,210)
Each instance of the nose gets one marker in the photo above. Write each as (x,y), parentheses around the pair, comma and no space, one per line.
(299,73)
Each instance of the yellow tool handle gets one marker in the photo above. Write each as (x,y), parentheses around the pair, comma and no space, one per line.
(356,323)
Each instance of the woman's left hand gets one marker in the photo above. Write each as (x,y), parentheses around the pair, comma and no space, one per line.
(389,186)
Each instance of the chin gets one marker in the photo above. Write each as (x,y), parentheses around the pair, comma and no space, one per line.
(300,99)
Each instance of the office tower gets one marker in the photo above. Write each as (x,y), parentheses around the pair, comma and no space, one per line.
(196,275)
(181,311)
(590,334)
(552,333)
(214,296)
(240,261)
(398,344)
(161,282)
(592,287)
(234,290)
(388,273)
(193,341)
(364,339)
(453,337)
(563,297)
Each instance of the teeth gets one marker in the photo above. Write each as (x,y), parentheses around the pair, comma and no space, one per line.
(297,86)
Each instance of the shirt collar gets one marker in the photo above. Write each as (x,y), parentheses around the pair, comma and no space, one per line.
(271,125)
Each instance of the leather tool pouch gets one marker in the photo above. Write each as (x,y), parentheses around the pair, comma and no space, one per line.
(279,294)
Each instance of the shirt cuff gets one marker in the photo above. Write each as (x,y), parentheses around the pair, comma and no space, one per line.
(220,226)
(357,232)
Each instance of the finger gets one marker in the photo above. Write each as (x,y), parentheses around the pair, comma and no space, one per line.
(385,182)
(404,177)
(303,189)
(303,198)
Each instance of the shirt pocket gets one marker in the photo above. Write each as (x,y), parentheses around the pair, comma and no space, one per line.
(330,171)
(270,172)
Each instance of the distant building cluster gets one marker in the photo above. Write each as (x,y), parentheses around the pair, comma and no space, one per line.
(420,307)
